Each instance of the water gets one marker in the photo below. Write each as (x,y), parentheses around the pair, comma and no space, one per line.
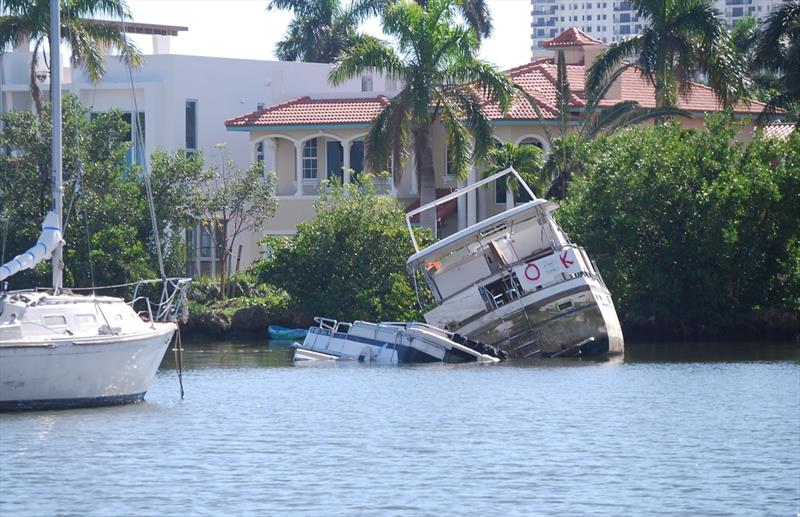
(698,431)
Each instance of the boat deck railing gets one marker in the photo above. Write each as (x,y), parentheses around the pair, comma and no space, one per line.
(461,192)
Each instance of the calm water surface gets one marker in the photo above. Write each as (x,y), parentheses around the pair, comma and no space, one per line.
(694,431)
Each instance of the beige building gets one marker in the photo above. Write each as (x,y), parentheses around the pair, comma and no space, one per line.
(311,139)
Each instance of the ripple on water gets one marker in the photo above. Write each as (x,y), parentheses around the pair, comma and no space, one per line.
(256,436)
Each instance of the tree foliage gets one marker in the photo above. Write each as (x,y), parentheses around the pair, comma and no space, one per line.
(348,263)
(108,221)
(21,19)
(230,202)
(567,149)
(322,29)
(526,159)
(777,50)
(681,41)
(691,227)
(435,60)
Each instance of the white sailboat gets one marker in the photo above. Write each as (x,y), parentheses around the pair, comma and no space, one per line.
(61,350)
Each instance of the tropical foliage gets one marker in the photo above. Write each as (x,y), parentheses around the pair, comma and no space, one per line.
(20,19)
(322,29)
(526,159)
(230,202)
(689,227)
(567,153)
(434,59)
(777,50)
(349,263)
(108,234)
(681,41)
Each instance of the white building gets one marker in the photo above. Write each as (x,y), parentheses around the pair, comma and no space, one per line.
(610,21)
(182,102)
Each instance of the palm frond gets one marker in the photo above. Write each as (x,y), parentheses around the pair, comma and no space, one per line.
(563,91)
(480,127)
(640,115)
(610,59)
(369,53)
(478,17)
(458,141)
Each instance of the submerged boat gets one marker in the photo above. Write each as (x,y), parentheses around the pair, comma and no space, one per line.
(516,282)
(62,350)
(278,332)
(390,343)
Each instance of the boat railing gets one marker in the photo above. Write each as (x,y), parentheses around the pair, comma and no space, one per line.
(173,297)
(327,323)
(509,289)
(461,192)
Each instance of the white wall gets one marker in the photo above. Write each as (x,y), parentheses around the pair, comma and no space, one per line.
(223,88)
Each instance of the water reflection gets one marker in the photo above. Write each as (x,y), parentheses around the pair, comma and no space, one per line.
(227,354)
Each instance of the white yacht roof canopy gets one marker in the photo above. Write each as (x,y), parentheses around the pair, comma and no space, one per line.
(473,233)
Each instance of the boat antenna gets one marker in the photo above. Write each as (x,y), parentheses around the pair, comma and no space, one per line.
(55,89)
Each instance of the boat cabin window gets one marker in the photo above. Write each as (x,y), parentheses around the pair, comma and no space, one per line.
(85,319)
(54,320)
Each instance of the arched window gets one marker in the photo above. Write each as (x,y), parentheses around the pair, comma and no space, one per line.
(532,141)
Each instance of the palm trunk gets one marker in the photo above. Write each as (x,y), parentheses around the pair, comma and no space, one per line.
(36,92)
(423,150)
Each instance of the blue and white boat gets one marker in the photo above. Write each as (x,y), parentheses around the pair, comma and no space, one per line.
(390,343)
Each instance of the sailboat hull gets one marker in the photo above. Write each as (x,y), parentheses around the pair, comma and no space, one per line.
(81,372)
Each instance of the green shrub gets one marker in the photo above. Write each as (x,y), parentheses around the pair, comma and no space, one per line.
(349,263)
(691,226)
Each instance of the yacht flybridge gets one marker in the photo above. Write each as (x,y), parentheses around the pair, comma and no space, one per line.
(516,282)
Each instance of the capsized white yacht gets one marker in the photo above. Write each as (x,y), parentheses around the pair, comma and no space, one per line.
(515,281)
(62,350)
(390,343)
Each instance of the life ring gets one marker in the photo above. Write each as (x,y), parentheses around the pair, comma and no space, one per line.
(527,274)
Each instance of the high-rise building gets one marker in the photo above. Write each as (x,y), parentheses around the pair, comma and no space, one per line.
(610,21)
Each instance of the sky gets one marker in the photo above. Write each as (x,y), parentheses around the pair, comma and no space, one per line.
(245,29)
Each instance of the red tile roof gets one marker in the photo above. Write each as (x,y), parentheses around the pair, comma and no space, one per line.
(572,37)
(306,111)
(538,79)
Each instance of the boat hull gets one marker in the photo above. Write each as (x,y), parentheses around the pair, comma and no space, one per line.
(572,318)
(81,372)
(386,344)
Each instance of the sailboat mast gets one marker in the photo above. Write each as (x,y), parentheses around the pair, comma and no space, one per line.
(55,89)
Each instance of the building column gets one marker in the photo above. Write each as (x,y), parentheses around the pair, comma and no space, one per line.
(272,148)
(345,162)
(298,151)
(413,170)
(509,197)
(462,210)
(472,198)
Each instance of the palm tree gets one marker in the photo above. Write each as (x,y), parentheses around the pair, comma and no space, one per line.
(20,19)
(322,29)
(568,150)
(681,41)
(435,59)
(525,159)
(475,13)
(778,51)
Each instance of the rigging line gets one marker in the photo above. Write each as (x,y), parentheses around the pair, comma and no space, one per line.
(145,171)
